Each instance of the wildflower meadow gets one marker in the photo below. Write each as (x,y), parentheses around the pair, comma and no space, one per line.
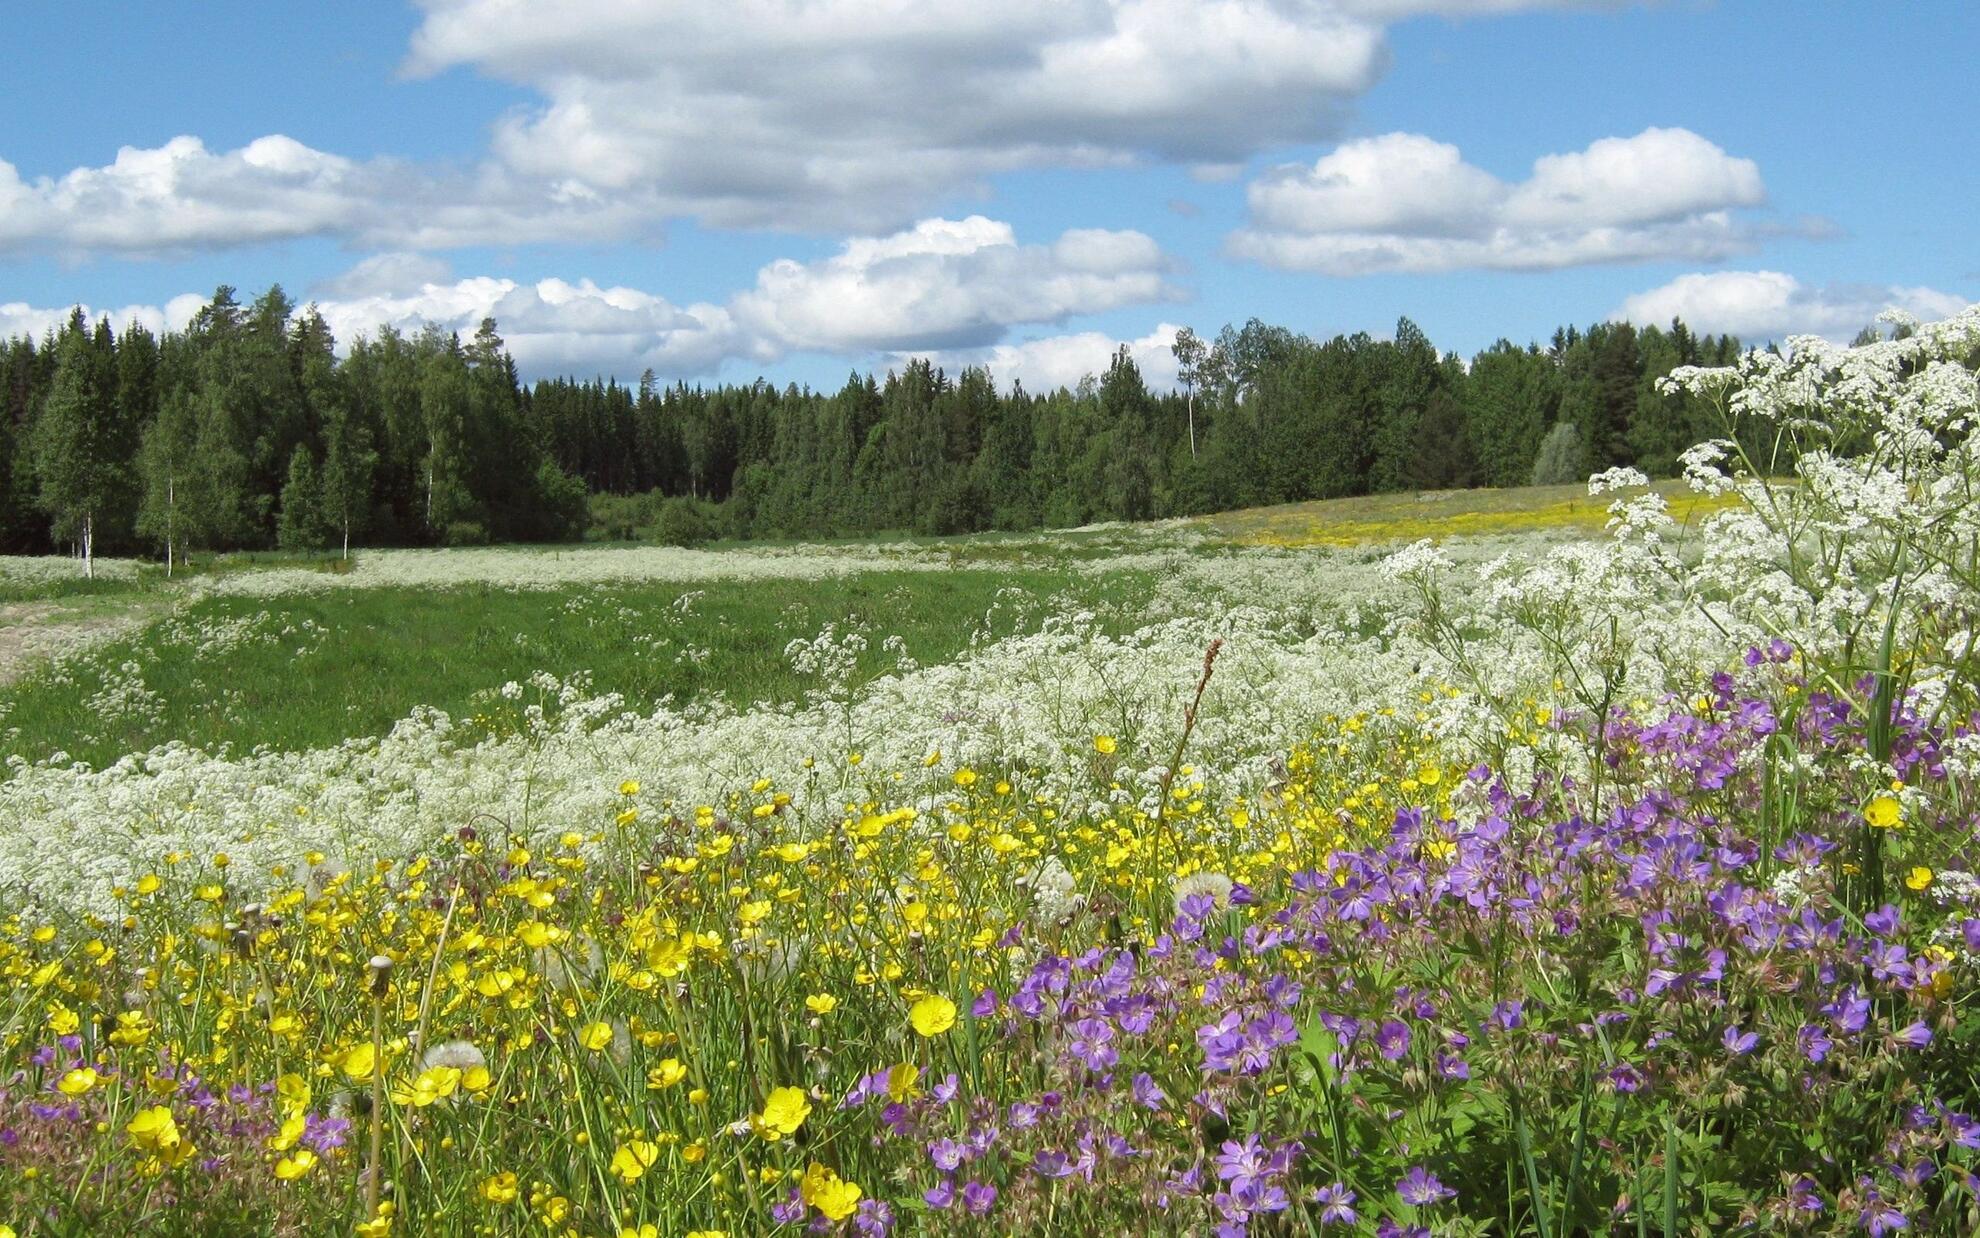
(1235,876)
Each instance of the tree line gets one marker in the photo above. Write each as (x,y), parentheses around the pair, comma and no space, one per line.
(247,430)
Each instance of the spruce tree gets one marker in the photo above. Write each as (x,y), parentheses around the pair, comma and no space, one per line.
(77,473)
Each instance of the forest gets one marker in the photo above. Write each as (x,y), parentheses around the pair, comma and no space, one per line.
(249,430)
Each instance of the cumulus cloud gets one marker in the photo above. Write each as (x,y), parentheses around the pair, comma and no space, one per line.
(1405,202)
(1769,305)
(1055,361)
(823,114)
(941,285)
(948,284)
(182,196)
(18,318)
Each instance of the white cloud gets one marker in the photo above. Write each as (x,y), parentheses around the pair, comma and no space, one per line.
(1768,305)
(940,285)
(822,114)
(948,284)
(182,196)
(1062,360)
(18,318)
(1404,202)
(553,326)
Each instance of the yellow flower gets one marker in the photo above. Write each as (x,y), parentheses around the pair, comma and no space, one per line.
(648,1230)
(500,1188)
(295,1165)
(62,1021)
(595,1036)
(359,1061)
(827,1192)
(901,1079)
(133,1029)
(378,1226)
(932,1015)
(154,1131)
(693,1233)
(433,1084)
(821,1003)
(77,1081)
(629,787)
(292,1130)
(1104,745)
(1884,812)
(965,777)
(1919,878)
(633,1159)
(784,1111)
(669,1072)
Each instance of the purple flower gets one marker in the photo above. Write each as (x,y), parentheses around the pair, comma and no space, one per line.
(1626,1078)
(1336,1205)
(1147,1093)
(1815,1043)
(875,1218)
(1392,1039)
(1509,1014)
(947,1155)
(1051,1164)
(1092,1044)
(1880,1218)
(1242,1163)
(1739,1043)
(985,1004)
(979,1197)
(1804,1195)
(941,1195)
(1916,1036)
(1420,1188)
(1884,921)
(789,1212)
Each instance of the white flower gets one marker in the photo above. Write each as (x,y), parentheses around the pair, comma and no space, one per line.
(1217,886)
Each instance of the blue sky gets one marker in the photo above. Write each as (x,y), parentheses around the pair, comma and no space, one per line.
(797,189)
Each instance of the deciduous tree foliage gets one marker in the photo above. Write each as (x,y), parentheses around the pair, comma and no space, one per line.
(251,429)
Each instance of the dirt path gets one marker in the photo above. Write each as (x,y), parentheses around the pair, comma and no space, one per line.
(31,632)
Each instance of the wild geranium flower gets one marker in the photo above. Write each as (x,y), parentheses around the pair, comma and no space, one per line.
(1420,1188)
(1739,1043)
(1914,1036)
(1336,1203)
(978,1197)
(1392,1039)
(932,1015)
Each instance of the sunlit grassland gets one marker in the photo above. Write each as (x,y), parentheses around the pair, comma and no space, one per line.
(1374,519)
(307,670)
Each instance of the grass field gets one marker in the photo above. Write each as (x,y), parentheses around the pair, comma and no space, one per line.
(312,669)
(306,663)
